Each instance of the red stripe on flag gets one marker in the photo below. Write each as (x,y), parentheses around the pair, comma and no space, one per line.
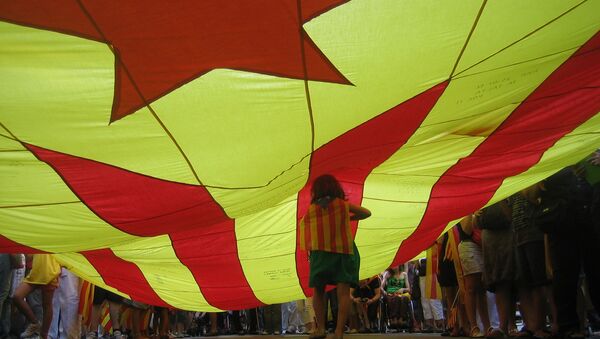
(133,202)
(123,275)
(9,246)
(565,100)
(211,254)
(354,154)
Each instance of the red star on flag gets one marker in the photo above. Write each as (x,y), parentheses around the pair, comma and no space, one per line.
(162,45)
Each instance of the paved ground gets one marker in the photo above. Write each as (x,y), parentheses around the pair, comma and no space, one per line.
(346,336)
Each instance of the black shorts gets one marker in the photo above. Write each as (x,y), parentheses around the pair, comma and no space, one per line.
(101,294)
(531,264)
(447,274)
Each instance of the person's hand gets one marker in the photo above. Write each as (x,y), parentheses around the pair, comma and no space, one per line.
(356,300)
(595,158)
(370,301)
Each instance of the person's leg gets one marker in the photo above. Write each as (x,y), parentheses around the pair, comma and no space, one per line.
(5,287)
(438,313)
(356,317)
(539,312)
(54,332)
(114,309)
(565,279)
(47,296)
(503,304)
(135,322)
(334,305)
(591,261)
(450,295)
(309,314)
(285,317)
(471,302)
(392,303)
(427,314)
(320,312)
(529,311)
(164,322)
(343,299)
(549,296)
(34,300)
(19,301)
(372,315)
(481,298)
(94,319)
(404,310)
(213,324)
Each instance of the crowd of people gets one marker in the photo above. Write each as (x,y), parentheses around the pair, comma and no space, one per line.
(523,267)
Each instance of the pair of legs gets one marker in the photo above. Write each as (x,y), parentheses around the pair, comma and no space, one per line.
(47,294)
(505,303)
(114,310)
(476,301)
(343,294)
(398,309)
(572,248)
(531,260)
(456,311)
(532,301)
(363,316)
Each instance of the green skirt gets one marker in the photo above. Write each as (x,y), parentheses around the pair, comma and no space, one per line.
(328,268)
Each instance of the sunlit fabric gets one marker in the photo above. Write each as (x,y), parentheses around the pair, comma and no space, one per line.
(165,149)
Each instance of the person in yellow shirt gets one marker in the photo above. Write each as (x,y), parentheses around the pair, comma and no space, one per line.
(44,274)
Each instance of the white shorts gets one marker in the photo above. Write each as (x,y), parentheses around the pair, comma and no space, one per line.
(471,257)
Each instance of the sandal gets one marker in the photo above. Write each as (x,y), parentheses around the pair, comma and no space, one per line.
(476,332)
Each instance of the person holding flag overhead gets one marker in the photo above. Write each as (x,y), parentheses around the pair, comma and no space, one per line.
(334,259)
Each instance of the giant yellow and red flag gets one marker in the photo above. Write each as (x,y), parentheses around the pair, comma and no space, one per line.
(165,149)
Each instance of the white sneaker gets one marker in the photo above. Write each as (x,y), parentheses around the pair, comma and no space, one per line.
(91,335)
(31,330)
(117,334)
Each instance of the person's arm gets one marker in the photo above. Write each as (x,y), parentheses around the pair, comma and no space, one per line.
(356,300)
(407,289)
(383,284)
(467,224)
(376,297)
(359,212)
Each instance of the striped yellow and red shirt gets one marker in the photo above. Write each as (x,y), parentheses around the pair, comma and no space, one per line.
(327,229)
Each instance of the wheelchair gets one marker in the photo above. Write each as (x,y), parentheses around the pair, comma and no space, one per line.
(385,324)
